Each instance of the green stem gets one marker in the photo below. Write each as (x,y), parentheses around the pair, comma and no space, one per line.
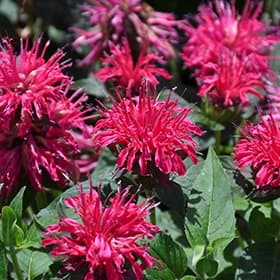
(153,216)
(218,141)
(271,9)
(41,199)
(15,263)
(30,213)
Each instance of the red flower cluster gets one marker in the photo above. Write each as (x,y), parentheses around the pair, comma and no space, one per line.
(228,83)
(148,133)
(221,32)
(120,68)
(36,117)
(114,20)
(260,149)
(106,237)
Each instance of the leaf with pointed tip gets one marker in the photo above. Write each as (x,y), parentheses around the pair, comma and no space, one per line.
(92,86)
(9,220)
(210,220)
(210,213)
(169,253)
(16,203)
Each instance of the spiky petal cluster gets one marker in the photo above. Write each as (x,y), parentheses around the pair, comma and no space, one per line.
(148,134)
(220,29)
(220,25)
(259,149)
(106,238)
(228,82)
(120,68)
(36,117)
(114,20)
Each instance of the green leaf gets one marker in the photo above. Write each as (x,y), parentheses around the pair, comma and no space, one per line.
(32,238)
(16,203)
(49,215)
(210,214)
(171,223)
(9,9)
(276,205)
(104,172)
(19,234)
(170,193)
(237,180)
(170,254)
(33,263)
(162,274)
(9,220)
(189,277)
(210,220)
(3,262)
(186,181)
(208,266)
(91,86)
(258,220)
(259,261)
(198,253)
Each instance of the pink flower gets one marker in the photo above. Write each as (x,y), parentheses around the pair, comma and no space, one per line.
(260,149)
(228,82)
(158,30)
(148,133)
(106,238)
(28,83)
(219,26)
(36,118)
(114,20)
(120,68)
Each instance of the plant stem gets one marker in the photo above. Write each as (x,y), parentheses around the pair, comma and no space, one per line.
(153,216)
(217,141)
(41,199)
(271,9)
(15,263)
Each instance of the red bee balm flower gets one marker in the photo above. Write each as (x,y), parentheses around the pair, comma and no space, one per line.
(28,83)
(228,82)
(36,118)
(120,68)
(260,149)
(114,20)
(106,238)
(145,130)
(219,25)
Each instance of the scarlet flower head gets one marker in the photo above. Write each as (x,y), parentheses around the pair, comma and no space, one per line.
(229,82)
(105,238)
(219,26)
(28,83)
(259,149)
(114,20)
(36,118)
(120,68)
(148,133)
